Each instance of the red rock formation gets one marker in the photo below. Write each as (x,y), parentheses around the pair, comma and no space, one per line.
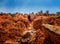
(12,28)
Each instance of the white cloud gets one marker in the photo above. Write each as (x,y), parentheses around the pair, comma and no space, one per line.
(36,9)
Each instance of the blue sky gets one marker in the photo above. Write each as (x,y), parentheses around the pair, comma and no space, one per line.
(28,6)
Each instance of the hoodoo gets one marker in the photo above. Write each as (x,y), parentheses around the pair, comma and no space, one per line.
(29,28)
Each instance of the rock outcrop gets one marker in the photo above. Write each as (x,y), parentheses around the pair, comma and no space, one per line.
(29,29)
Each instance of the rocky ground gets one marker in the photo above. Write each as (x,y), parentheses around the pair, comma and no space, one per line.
(29,29)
